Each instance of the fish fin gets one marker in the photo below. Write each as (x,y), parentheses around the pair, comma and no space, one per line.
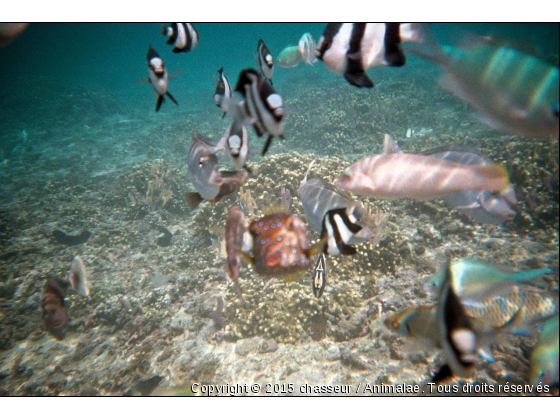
(266,144)
(390,145)
(164,29)
(318,248)
(142,80)
(171,97)
(78,277)
(307,173)
(224,114)
(359,79)
(175,73)
(475,205)
(486,353)
(243,254)
(193,199)
(159,102)
(247,168)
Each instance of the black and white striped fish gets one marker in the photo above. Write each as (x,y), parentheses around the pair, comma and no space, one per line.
(320,276)
(223,92)
(183,36)
(337,216)
(263,108)
(265,61)
(236,144)
(159,78)
(351,48)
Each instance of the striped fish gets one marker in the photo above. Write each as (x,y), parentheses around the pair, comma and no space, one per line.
(183,36)
(223,92)
(320,276)
(265,61)
(159,78)
(351,48)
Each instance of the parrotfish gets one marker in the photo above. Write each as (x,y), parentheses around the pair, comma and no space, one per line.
(210,183)
(472,279)
(280,245)
(407,175)
(307,47)
(544,358)
(289,57)
(351,48)
(338,217)
(511,90)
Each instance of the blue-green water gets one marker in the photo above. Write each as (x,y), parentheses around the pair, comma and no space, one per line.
(81,148)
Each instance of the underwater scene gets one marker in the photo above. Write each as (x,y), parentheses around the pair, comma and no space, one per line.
(279,209)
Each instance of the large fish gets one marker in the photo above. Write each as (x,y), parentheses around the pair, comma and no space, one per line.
(407,175)
(511,90)
(183,36)
(159,78)
(482,206)
(222,94)
(265,61)
(281,246)
(263,108)
(338,217)
(351,48)
(472,279)
(544,358)
(210,183)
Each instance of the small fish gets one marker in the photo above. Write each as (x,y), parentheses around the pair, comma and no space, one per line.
(77,276)
(307,47)
(222,94)
(236,144)
(544,358)
(210,183)
(511,90)
(472,279)
(334,214)
(407,175)
(235,229)
(320,276)
(286,198)
(483,206)
(263,108)
(53,309)
(351,48)
(159,78)
(217,315)
(183,36)
(280,245)
(265,61)
(289,57)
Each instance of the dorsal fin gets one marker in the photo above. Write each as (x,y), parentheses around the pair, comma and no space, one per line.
(390,145)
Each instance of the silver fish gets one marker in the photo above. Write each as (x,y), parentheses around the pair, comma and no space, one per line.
(307,47)
(236,144)
(265,61)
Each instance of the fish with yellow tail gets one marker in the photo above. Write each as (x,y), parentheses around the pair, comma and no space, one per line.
(511,90)
(406,175)
(544,358)
(281,246)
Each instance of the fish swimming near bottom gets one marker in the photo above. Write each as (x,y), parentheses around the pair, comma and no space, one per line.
(159,77)
(54,311)
(281,246)
(235,230)
(407,175)
(544,357)
(320,276)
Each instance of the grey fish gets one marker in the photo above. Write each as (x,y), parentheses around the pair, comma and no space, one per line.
(210,183)
(333,213)
(236,144)
(265,61)
(159,77)
(483,206)
(183,36)
(320,276)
